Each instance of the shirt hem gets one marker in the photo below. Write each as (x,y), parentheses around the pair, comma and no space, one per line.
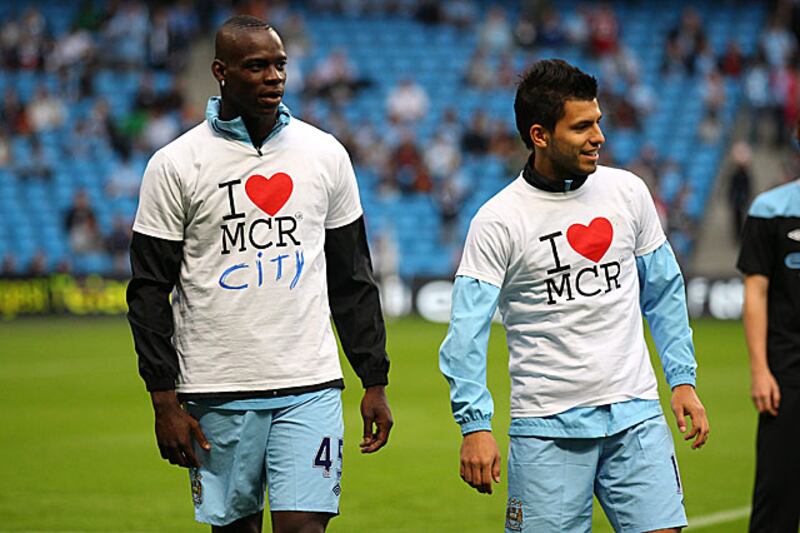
(343,221)
(159,234)
(595,402)
(466,272)
(652,247)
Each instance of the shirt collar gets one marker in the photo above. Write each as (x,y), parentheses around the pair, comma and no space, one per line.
(235,128)
(540,182)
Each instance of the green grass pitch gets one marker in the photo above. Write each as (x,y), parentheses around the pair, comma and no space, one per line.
(78,451)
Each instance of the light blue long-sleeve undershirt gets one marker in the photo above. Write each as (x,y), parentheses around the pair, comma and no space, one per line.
(462,358)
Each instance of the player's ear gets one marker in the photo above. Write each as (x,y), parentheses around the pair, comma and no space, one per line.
(540,137)
(218,70)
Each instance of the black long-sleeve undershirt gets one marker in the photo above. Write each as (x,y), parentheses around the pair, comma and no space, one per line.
(352,293)
(355,304)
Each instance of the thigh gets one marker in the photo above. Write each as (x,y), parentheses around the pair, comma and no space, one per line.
(230,482)
(777,490)
(304,455)
(638,483)
(550,484)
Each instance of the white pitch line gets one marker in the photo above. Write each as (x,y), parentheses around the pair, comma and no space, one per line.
(718,518)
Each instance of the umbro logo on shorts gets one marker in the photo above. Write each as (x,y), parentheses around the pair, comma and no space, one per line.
(794,234)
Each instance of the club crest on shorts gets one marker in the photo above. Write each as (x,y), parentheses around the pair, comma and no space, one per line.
(514,514)
(197,486)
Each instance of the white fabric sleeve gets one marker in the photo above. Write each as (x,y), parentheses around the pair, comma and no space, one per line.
(344,203)
(161,212)
(649,234)
(486,251)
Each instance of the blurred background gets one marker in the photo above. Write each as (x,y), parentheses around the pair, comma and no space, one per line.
(699,100)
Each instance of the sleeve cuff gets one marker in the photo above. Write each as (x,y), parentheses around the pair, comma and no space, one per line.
(476,425)
(375,380)
(682,379)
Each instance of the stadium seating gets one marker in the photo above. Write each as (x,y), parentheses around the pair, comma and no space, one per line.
(387,49)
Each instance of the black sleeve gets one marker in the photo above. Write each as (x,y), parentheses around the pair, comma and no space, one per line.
(756,256)
(155,265)
(355,304)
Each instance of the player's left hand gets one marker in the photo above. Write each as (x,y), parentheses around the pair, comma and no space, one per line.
(377,419)
(686,403)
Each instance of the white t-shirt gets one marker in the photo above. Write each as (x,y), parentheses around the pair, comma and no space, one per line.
(251,306)
(569,300)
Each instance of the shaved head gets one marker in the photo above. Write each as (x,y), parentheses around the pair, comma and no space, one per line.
(232,30)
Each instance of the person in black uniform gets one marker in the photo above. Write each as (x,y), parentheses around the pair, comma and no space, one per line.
(770,261)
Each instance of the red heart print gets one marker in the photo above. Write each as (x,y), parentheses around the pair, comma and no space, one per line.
(591,241)
(269,194)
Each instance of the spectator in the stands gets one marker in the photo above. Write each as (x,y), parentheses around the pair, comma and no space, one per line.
(8,267)
(37,266)
(740,187)
(480,74)
(714,93)
(442,156)
(603,30)
(184,24)
(159,39)
(125,35)
(551,31)
(13,114)
(124,180)
(646,165)
(576,26)
(732,61)
(46,111)
(160,129)
(503,140)
(641,96)
(461,14)
(449,198)
(494,33)
(778,42)
(117,244)
(475,138)
(506,75)
(407,102)
(74,48)
(335,78)
(759,98)
(80,224)
(408,167)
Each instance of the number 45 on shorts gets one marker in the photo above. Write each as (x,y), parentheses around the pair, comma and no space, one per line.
(324,458)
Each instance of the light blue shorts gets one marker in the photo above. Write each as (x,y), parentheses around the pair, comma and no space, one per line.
(296,451)
(634,475)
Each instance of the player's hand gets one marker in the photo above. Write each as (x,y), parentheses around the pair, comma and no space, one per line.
(480,461)
(765,392)
(686,403)
(175,429)
(377,417)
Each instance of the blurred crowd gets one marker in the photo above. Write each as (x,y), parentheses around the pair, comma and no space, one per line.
(153,39)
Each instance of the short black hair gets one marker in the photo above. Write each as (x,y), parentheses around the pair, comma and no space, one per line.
(542,90)
(245,22)
(231,27)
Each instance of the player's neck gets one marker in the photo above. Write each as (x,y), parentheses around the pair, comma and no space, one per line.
(545,169)
(258,126)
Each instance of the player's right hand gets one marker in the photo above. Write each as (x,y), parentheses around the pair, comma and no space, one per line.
(174,431)
(765,392)
(480,461)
